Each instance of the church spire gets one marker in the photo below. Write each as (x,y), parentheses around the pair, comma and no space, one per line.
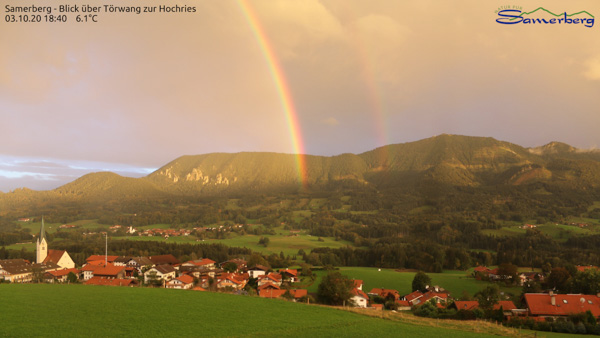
(41,247)
(42,232)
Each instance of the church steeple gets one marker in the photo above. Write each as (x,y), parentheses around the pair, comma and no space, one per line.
(41,247)
(42,232)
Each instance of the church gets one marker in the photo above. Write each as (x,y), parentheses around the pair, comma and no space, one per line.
(45,255)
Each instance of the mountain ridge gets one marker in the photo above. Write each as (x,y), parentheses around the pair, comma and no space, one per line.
(444,159)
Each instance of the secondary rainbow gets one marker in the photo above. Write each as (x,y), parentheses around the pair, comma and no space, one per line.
(283,90)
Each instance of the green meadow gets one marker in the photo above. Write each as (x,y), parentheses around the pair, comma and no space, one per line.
(289,245)
(454,281)
(42,310)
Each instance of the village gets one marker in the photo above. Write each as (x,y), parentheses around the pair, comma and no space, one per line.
(235,276)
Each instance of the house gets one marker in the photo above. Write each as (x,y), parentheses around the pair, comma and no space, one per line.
(257,270)
(230,281)
(60,258)
(274,278)
(110,272)
(385,293)
(531,276)
(111,282)
(181,282)
(87,271)
(480,272)
(15,270)
(137,263)
(438,297)
(413,298)
(161,273)
(550,305)
(402,305)
(198,271)
(60,276)
(467,305)
(268,286)
(164,259)
(289,274)
(21,271)
(205,263)
(359,298)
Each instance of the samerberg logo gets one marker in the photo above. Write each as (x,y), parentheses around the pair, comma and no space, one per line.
(515,16)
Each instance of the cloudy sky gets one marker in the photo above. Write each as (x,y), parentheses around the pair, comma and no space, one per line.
(132,92)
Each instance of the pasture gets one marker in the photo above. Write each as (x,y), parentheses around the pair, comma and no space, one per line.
(42,310)
(454,281)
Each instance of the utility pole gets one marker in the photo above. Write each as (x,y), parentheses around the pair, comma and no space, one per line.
(106,250)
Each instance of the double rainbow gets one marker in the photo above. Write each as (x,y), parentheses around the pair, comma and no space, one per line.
(283,90)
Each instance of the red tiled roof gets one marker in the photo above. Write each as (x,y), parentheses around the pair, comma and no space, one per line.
(185,279)
(292,272)
(271,293)
(54,256)
(582,268)
(540,304)
(506,305)
(466,305)
(63,272)
(403,303)
(204,261)
(299,293)
(267,285)
(96,263)
(357,283)
(101,258)
(481,269)
(90,267)
(429,295)
(197,288)
(384,293)
(110,282)
(272,276)
(359,293)
(413,295)
(109,270)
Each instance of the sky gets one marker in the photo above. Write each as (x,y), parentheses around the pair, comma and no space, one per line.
(131,92)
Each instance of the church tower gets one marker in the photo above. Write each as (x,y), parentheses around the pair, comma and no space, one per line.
(41,247)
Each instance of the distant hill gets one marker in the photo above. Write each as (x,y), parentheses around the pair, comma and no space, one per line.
(446,159)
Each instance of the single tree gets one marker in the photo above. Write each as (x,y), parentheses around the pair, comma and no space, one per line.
(72,278)
(230,267)
(559,279)
(421,281)
(488,297)
(335,289)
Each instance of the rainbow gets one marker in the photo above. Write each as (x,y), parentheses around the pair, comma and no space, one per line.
(283,90)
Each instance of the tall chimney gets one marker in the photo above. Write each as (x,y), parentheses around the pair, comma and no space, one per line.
(552,299)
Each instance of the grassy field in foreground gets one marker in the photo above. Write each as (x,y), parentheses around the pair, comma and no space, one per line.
(77,310)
